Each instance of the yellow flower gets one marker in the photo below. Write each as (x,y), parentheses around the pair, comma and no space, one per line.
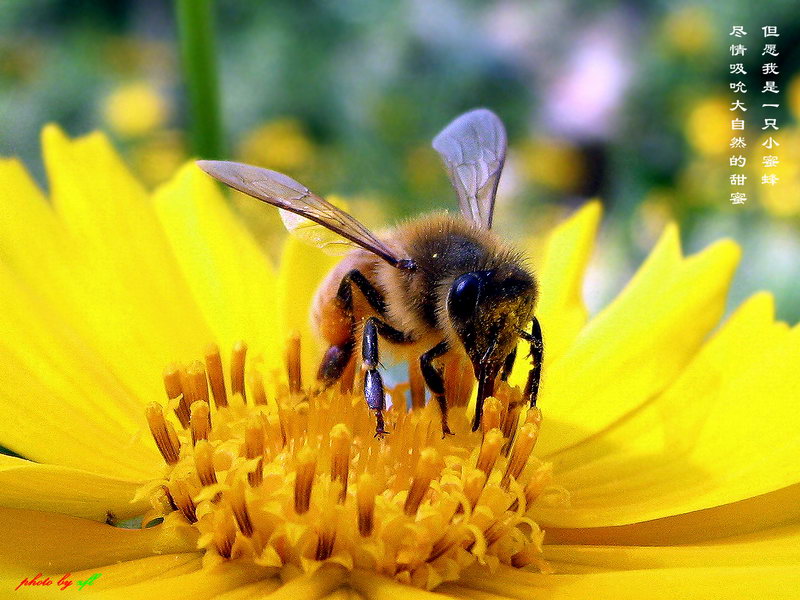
(666,463)
(688,30)
(708,126)
(135,108)
(281,143)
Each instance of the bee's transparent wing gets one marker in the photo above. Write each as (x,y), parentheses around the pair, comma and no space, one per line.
(289,195)
(315,234)
(473,147)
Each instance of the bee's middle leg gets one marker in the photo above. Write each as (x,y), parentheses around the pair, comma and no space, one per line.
(373,382)
(435,380)
(537,353)
(508,365)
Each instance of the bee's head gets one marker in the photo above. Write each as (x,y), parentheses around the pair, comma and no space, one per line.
(487,309)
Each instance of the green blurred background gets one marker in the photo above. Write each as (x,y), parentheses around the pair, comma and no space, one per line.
(625,101)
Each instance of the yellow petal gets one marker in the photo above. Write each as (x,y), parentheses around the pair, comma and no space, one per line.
(28,485)
(372,585)
(225,579)
(26,216)
(35,541)
(711,583)
(561,310)
(302,270)
(136,304)
(229,276)
(636,346)
(257,589)
(59,405)
(138,570)
(46,341)
(737,518)
(778,546)
(200,585)
(700,443)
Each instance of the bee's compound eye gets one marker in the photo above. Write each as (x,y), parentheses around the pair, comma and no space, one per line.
(464,295)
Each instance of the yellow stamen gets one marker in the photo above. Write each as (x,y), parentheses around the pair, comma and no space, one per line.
(163,433)
(204,462)
(365,495)
(534,416)
(254,448)
(182,492)
(172,382)
(306,466)
(326,536)
(196,378)
(254,437)
(447,541)
(200,421)
(490,450)
(293,365)
(526,439)
(238,502)
(215,376)
(169,498)
(257,385)
(428,467)
(494,532)
(224,531)
(535,486)
(238,357)
(174,389)
(510,424)
(491,414)
(473,486)
(340,457)
(271,482)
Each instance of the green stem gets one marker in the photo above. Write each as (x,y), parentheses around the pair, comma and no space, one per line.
(195,24)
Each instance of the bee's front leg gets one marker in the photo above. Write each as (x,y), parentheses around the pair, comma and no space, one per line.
(373,382)
(537,353)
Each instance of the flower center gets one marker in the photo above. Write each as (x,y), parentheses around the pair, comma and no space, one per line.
(285,477)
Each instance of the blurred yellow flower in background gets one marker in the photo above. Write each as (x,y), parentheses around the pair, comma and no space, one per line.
(135,108)
(157,157)
(551,162)
(671,439)
(688,29)
(783,198)
(708,126)
(794,97)
(282,144)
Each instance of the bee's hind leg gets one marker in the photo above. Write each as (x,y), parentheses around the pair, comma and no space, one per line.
(335,362)
(337,357)
(373,382)
(435,380)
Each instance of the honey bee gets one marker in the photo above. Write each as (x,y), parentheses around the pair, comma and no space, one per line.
(437,286)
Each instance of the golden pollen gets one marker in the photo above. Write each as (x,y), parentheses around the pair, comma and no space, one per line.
(288,477)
